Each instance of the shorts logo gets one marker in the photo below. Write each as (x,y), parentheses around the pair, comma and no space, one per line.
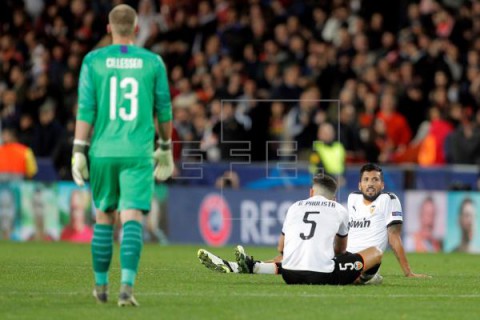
(351,266)
(358,265)
(215,220)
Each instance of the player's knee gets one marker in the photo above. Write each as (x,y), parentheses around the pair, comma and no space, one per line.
(378,254)
(102,217)
(131,214)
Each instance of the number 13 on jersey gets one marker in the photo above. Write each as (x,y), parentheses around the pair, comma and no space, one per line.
(129,89)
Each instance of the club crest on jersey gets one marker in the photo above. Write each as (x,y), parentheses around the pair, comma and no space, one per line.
(372,209)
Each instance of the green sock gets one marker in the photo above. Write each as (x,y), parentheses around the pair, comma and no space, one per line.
(128,277)
(130,250)
(101,278)
(102,249)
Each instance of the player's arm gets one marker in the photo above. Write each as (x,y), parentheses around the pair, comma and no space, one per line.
(163,108)
(87,106)
(278,258)
(85,117)
(281,243)
(280,246)
(165,131)
(82,131)
(163,104)
(395,241)
(341,238)
(340,244)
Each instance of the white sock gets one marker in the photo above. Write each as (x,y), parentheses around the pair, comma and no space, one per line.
(234,266)
(265,268)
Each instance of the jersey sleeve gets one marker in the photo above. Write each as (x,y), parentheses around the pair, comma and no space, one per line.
(350,201)
(287,219)
(87,105)
(394,213)
(343,229)
(163,104)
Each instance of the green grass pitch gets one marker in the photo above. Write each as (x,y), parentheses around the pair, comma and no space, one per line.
(54,281)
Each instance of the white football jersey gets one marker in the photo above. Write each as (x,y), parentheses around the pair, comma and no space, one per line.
(310,227)
(368,223)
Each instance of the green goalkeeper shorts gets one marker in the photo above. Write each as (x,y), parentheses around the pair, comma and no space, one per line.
(121,183)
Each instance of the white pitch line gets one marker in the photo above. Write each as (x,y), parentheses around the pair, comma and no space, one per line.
(257,294)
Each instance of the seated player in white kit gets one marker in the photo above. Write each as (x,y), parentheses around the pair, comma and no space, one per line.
(375,219)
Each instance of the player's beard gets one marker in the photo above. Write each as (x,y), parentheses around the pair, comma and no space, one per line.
(372,197)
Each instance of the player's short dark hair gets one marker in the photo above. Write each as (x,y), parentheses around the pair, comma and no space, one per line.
(326,182)
(371,167)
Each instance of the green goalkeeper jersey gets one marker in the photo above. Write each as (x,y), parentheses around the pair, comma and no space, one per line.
(120,89)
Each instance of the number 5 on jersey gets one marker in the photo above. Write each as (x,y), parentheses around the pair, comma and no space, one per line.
(129,88)
(312,227)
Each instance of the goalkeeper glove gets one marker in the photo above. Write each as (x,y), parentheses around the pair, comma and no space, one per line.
(79,162)
(164,160)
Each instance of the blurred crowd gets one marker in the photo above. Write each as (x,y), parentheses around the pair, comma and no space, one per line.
(382,81)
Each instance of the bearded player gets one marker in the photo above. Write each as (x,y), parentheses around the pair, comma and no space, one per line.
(375,219)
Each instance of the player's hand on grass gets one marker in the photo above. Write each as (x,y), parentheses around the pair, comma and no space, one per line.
(79,162)
(418,275)
(163,160)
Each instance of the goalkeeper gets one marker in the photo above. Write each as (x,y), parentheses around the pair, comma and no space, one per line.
(121,87)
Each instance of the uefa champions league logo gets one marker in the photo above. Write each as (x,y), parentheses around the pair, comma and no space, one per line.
(215,220)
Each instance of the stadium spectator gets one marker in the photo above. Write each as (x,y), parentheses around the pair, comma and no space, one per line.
(26,129)
(369,107)
(412,106)
(68,93)
(300,121)
(10,109)
(228,129)
(229,179)
(463,144)
(349,133)
(186,96)
(19,84)
(276,131)
(378,147)
(397,128)
(426,55)
(289,89)
(48,131)
(432,147)
(328,154)
(16,160)
(61,157)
